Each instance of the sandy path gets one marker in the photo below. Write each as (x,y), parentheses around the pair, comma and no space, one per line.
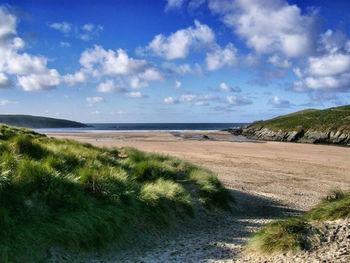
(269,180)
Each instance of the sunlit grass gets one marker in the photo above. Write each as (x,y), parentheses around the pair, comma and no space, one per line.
(73,195)
(294,234)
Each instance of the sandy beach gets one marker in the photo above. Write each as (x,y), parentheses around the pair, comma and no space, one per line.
(268,179)
(298,175)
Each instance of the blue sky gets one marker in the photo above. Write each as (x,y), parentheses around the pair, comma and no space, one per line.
(173,60)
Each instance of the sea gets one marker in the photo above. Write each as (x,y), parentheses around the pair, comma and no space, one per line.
(108,127)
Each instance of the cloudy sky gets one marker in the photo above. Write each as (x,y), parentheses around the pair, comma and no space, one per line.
(174,60)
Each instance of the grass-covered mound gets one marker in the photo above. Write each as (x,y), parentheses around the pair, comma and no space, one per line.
(61,193)
(332,119)
(297,233)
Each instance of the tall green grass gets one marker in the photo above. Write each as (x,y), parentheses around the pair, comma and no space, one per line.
(61,193)
(297,233)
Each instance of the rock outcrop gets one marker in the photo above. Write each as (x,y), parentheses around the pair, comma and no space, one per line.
(298,135)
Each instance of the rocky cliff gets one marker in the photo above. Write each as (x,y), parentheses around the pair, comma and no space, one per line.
(298,135)
(328,126)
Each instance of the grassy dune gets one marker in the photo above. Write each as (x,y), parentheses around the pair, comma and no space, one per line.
(296,233)
(332,119)
(61,193)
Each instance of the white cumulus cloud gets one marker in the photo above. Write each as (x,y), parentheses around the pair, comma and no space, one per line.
(151,73)
(220,57)
(328,72)
(269,26)
(25,63)
(178,44)
(100,62)
(136,83)
(77,77)
(332,64)
(44,81)
(109,87)
(31,71)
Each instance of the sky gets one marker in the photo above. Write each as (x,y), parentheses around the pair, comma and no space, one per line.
(173,60)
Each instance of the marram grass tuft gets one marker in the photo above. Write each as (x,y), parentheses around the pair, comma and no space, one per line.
(296,233)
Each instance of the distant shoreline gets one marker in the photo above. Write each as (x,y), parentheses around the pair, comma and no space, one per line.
(145,127)
(68,130)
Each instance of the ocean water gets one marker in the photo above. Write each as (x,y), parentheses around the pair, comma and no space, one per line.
(107,127)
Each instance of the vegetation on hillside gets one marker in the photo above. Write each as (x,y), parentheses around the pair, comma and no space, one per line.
(38,122)
(332,119)
(61,193)
(296,233)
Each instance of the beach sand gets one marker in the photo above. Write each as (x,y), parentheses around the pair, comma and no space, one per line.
(268,179)
(298,175)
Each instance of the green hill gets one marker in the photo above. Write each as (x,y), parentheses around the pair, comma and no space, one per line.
(29,121)
(58,193)
(332,119)
(329,126)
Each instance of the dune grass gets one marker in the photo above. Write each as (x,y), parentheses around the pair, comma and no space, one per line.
(280,236)
(61,193)
(335,206)
(296,233)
